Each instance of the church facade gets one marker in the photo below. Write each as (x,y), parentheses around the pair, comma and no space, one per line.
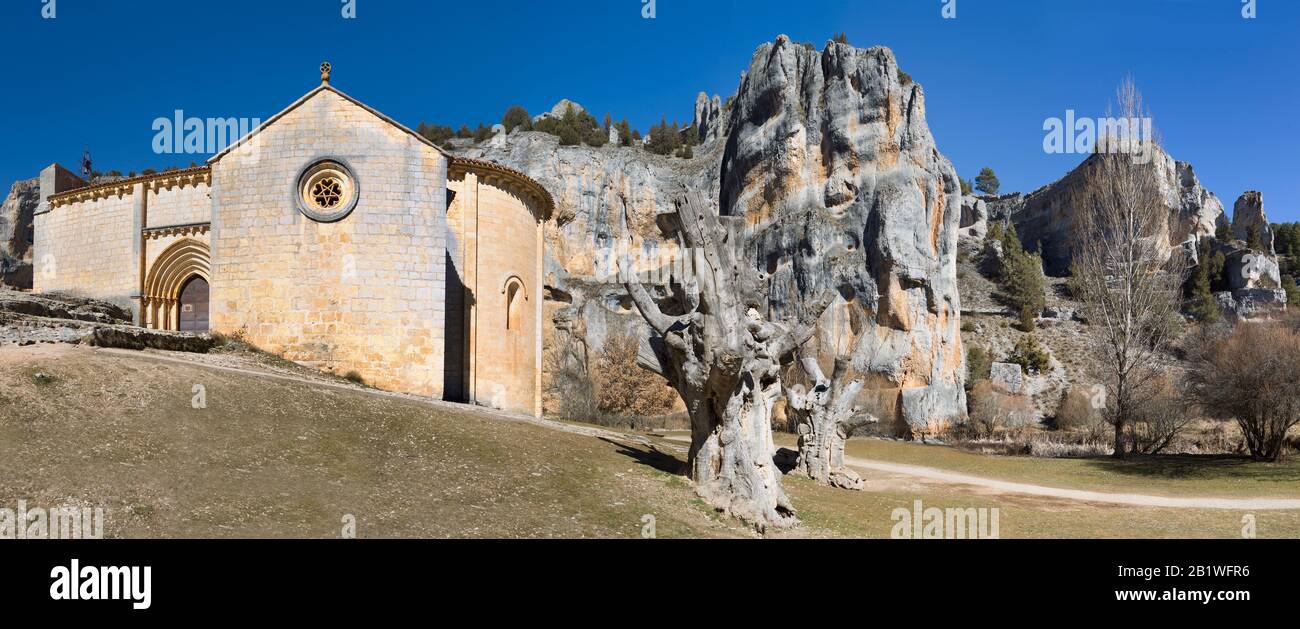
(330,235)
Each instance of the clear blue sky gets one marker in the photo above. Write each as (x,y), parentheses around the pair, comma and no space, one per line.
(1225,91)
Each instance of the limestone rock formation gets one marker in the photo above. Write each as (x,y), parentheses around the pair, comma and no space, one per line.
(708,117)
(974,224)
(28,319)
(1245,268)
(559,109)
(1047,215)
(829,150)
(1254,276)
(607,201)
(1251,303)
(1250,223)
(818,151)
(62,307)
(1007,376)
(16,233)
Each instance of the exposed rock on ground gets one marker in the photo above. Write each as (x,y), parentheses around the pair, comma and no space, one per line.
(27,319)
(1007,376)
(62,307)
(131,337)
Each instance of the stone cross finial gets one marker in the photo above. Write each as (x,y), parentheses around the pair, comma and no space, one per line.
(325,69)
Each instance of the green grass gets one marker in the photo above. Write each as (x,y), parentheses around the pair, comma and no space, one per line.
(1172,475)
(276,458)
(843,513)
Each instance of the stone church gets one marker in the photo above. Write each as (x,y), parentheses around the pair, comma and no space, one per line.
(331,235)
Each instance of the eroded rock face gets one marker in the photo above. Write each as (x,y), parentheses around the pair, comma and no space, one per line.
(974,224)
(559,110)
(62,307)
(1252,303)
(829,155)
(607,201)
(16,232)
(1007,376)
(820,152)
(1244,268)
(1249,222)
(708,117)
(1047,215)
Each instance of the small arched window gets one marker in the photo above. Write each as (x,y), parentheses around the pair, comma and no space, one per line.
(514,304)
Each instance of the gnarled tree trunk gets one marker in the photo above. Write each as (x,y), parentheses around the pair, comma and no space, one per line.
(724,358)
(826,416)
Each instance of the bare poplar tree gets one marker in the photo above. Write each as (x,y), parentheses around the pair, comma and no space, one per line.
(1124,272)
(724,358)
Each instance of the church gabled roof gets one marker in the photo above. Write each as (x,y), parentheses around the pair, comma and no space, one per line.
(324,86)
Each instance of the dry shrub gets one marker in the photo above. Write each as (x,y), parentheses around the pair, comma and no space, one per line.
(1249,376)
(624,389)
(566,390)
(1158,418)
(1078,412)
(1038,443)
(993,410)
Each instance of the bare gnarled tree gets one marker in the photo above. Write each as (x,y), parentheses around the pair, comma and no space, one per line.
(827,415)
(724,358)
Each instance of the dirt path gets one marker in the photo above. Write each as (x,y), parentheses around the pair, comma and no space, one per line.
(914,471)
(1009,487)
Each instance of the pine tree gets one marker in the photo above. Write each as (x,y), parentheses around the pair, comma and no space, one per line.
(625,135)
(987,181)
(1292,291)
(1201,303)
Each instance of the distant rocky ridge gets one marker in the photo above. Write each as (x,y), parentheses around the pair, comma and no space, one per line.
(1045,221)
(1047,216)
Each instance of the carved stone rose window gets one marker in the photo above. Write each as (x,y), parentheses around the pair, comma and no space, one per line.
(327,191)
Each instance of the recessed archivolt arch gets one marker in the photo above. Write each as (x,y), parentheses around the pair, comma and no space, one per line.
(185,259)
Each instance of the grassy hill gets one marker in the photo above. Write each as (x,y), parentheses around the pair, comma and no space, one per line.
(273,456)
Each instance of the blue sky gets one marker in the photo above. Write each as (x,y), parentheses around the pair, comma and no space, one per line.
(1223,90)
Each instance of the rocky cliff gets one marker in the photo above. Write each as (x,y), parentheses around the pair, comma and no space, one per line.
(830,150)
(1047,215)
(1249,224)
(16,232)
(818,151)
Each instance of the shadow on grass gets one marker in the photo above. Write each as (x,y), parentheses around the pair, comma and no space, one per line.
(1200,467)
(651,456)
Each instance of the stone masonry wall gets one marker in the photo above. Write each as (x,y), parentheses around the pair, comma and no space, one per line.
(365,293)
(179,205)
(85,248)
(498,241)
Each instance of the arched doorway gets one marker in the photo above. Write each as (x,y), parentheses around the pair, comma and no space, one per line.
(181,268)
(194,305)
